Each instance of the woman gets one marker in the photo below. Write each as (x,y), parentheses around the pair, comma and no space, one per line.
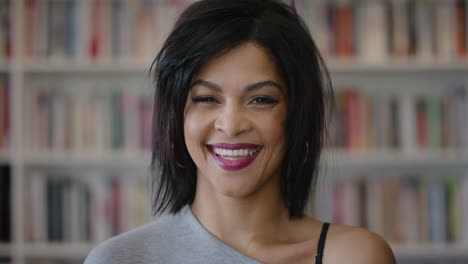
(238,126)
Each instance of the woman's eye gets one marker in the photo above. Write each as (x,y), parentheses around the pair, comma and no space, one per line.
(204,99)
(264,100)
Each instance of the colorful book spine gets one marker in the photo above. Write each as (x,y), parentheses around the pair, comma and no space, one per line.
(461,28)
(5,30)
(344,29)
(5,204)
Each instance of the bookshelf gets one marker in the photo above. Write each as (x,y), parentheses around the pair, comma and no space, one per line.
(397,66)
(415,73)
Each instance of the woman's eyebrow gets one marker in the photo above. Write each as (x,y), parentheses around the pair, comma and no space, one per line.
(255,86)
(248,88)
(207,84)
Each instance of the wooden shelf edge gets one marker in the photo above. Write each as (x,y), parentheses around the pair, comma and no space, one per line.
(334,66)
(5,157)
(356,65)
(5,249)
(58,250)
(395,158)
(5,67)
(86,67)
(130,159)
(431,251)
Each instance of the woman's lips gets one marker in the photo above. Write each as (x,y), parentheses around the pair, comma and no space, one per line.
(237,162)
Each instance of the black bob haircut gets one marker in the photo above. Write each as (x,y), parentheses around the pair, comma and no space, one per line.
(208,29)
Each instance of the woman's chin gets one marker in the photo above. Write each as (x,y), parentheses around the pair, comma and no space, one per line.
(237,190)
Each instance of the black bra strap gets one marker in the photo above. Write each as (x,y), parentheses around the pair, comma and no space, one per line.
(321,243)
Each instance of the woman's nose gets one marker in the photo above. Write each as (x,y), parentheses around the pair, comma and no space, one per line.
(232,121)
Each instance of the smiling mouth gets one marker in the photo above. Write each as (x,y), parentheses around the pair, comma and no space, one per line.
(235,154)
(234,157)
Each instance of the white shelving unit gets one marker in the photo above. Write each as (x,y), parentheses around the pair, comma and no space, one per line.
(20,159)
(4,67)
(4,157)
(397,66)
(88,160)
(396,159)
(90,68)
(58,250)
(5,248)
(430,252)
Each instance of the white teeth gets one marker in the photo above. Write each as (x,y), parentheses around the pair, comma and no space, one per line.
(235,154)
(233,158)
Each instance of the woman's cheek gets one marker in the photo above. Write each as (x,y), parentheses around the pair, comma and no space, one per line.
(196,124)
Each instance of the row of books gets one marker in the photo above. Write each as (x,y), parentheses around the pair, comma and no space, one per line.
(5,208)
(413,209)
(99,120)
(97,30)
(133,30)
(382,30)
(409,209)
(362,120)
(89,207)
(5,36)
(4,112)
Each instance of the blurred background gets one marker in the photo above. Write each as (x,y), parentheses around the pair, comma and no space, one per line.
(75,122)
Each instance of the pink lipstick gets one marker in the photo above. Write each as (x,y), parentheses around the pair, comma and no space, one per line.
(233,157)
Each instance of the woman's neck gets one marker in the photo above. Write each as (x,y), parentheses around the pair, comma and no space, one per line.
(252,221)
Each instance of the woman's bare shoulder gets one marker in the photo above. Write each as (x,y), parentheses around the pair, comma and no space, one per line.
(346,244)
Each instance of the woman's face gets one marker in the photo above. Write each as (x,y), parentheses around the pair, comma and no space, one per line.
(234,122)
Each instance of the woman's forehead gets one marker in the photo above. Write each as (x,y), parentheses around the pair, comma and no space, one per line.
(244,65)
